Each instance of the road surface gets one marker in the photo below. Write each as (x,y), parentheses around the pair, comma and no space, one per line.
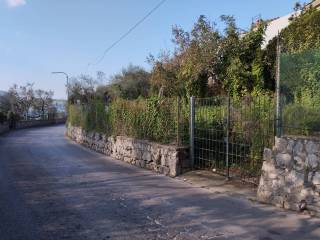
(51,188)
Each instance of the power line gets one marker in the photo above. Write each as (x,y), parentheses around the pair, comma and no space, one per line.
(128,32)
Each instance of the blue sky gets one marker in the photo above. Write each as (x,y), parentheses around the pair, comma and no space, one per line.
(41,36)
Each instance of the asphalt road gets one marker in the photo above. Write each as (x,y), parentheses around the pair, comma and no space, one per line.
(51,188)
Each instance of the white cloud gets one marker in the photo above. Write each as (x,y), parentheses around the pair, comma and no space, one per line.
(15,3)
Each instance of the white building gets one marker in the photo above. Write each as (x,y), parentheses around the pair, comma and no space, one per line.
(274,27)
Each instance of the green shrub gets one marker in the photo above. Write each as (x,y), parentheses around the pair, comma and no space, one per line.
(92,116)
(301,119)
(152,119)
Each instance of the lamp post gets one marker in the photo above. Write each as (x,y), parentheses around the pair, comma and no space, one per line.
(67,77)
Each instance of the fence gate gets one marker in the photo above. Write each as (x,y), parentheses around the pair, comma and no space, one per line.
(228,135)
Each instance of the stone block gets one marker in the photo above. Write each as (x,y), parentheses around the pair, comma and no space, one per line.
(127,159)
(166,170)
(290,146)
(267,155)
(280,145)
(264,193)
(146,156)
(269,170)
(164,160)
(277,185)
(312,161)
(278,201)
(298,148)
(295,179)
(316,179)
(156,156)
(307,194)
(291,205)
(284,160)
(312,147)
(174,168)
(299,163)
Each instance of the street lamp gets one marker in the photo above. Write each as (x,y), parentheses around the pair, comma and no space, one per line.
(67,76)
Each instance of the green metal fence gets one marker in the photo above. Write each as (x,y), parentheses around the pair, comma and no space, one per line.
(230,134)
(299,77)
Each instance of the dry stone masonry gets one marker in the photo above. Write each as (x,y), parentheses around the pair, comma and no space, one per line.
(291,175)
(31,123)
(39,123)
(165,159)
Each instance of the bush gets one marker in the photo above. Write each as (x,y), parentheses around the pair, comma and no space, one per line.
(92,116)
(301,119)
(152,119)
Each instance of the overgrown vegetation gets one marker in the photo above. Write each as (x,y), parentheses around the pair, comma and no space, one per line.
(205,63)
(155,119)
(300,74)
(25,102)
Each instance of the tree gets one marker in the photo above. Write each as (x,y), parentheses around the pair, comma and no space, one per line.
(199,57)
(207,62)
(163,77)
(5,105)
(242,64)
(43,101)
(82,89)
(132,82)
(21,98)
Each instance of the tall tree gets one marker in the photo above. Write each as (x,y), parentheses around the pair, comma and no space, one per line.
(207,62)
(131,83)
(82,88)
(22,98)
(43,101)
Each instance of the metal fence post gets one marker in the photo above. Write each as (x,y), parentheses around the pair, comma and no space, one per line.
(227,137)
(192,125)
(278,93)
(178,120)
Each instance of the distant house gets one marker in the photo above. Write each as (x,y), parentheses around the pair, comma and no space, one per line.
(276,25)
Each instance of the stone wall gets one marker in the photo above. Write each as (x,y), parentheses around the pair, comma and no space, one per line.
(291,175)
(31,123)
(38,123)
(164,159)
(4,128)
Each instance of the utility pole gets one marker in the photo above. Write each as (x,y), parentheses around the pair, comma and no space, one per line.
(192,126)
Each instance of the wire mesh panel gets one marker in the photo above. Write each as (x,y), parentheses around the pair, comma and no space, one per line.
(300,93)
(251,130)
(209,133)
(230,134)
